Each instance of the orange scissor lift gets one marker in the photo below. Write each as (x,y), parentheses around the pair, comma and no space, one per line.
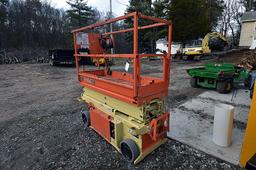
(127,109)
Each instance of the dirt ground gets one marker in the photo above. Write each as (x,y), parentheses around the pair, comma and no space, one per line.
(41,128)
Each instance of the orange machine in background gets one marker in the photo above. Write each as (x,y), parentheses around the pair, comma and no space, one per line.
(92,43)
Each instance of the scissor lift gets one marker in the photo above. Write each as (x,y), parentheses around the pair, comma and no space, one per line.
(127,109)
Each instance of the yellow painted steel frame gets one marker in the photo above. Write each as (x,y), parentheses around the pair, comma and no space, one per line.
(124,118)
(249,145)
(137,112)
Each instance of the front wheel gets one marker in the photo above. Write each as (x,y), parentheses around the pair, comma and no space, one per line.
(247,81)
(193,82)
(129,150)
(225,86)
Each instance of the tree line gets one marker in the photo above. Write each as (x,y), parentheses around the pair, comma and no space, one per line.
(193,19)
(37,24)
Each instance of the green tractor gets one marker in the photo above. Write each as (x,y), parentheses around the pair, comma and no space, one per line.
(218,76)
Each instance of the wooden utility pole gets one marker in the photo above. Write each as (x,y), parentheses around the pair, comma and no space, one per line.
(111,26)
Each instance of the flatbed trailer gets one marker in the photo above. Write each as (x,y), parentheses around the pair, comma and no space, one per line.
(61,56)
(218,76)
(126,109)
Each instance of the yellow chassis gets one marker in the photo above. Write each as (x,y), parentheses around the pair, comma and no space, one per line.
(129,120)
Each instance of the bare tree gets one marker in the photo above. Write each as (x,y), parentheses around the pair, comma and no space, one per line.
(230,21)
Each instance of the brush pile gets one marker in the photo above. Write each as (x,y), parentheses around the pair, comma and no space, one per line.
(14,56)
(249,60)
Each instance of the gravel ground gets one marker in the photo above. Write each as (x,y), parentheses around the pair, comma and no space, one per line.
(40,125)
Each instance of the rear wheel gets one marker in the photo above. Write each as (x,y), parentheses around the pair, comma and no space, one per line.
(51,62)
(86,118)
(224,86)
(191,57)
(129,150)
(197,57)
(247,81)
(193,82)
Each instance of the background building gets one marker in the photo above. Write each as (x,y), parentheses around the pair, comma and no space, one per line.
(248,32)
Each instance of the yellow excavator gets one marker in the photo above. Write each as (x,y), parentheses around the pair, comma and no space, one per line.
(213,41)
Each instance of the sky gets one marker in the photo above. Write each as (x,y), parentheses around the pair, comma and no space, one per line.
(118,6)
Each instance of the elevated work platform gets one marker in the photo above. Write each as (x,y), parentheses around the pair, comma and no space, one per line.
(132,88)
(120,85)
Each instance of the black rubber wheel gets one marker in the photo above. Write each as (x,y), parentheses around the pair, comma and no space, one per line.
(224,86)
(193,82)
(86,118)
(197,58)
(184,57)
(129,150)
(52,63)
(247,82)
